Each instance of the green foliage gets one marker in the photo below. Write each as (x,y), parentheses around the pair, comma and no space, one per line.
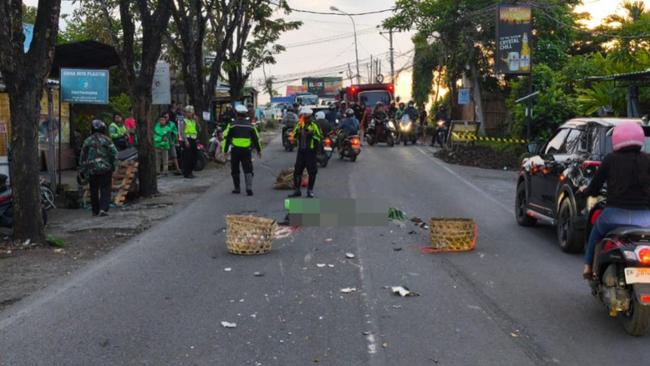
(553,106)
(121,104)
(426,60)
(55,241)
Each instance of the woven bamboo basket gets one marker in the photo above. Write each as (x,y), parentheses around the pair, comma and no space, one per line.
(452,234)
(249,235)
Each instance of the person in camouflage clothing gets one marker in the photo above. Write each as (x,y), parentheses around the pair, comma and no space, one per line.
(97,161)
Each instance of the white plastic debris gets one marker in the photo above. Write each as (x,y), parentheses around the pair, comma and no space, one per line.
(348,290)
(349,255)
(320,265)
(403,291)
(227,269)
(330,265)
(228,325)
(328,240)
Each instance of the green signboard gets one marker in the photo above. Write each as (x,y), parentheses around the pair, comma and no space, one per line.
(84,86)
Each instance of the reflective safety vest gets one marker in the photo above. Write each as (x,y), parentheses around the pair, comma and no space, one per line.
(190,130)
(241,134)
(116,131)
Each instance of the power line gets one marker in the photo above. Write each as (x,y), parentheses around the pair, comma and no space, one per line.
(331,13)
(330,39)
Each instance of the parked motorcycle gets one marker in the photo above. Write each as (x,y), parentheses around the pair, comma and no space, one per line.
(621,268)
(202,157)
(6,202)
(351,148)
(381,131)
(407,130)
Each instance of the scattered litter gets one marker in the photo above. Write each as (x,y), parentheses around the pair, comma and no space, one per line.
(403,291)
(348,290)
(241,300)
(397,306)
(419,223)
(320,265)
(514,335)
(366,333)
(254,316)
(227,269)
(284,231)
(395,214)
(58,250)
(258,274)
(349,255)
(328,239)
(412,232)
(27,242)
(228,325)
(397,249)
(330,265)
(385,344)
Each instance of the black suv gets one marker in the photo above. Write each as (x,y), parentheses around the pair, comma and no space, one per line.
(545,194)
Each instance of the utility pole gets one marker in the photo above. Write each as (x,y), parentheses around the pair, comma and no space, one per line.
(392,53)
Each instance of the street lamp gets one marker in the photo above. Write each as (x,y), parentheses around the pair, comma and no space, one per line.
(356,49)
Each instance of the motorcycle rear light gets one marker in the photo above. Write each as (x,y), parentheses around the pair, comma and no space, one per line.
(590,164)
(328,142)
(644,298)
(595,216)
(644,255)
(610,245)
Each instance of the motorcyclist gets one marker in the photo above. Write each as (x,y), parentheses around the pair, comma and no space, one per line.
(331,115)
(349,126)
(392,109)
(627,174)
(412,111)
(441,115)
(323,123)
(400,111)
(379,113)
(308,137)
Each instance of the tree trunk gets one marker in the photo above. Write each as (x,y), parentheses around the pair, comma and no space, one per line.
(25,106)
(236,82)
(476,96)
(148,184)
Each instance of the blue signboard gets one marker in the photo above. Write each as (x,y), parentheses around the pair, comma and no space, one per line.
(28,31)
(84,86)
(463,96)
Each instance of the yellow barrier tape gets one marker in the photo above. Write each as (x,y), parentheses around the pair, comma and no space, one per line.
(473,137)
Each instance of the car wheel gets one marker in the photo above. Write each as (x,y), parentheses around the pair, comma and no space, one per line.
(521,207)
(353,158)
(571,241)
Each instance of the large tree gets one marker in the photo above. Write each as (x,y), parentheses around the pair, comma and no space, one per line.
(199,23)
(139,46)
(254,41)
(25,75)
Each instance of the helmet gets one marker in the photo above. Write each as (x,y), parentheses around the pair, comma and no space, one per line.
(320,115)
(379,103)
(241,109)
(304,111)
(627,134)
(189,109)
(98,126)
(411,102)
(349,112)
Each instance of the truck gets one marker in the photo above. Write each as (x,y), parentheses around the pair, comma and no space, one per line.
(368,94)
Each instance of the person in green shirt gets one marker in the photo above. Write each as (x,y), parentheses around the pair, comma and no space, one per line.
(162,143)
(189,131)
(118,132)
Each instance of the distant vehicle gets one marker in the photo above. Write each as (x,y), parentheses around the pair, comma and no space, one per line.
(545,192)
(274,111)
(368,94)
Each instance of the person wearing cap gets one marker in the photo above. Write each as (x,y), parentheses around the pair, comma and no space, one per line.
(188,132)
(97,162)
(243,137)
(308,137)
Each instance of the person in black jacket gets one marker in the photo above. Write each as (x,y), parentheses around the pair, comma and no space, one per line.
(243,137)
(627,174)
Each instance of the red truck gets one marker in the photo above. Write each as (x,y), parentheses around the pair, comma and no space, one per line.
(368,94)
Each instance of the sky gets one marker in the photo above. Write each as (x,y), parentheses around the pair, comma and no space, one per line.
(297,61)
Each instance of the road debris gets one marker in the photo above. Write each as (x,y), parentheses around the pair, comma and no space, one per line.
(330,265)
(58,250)
(348,290)
(227,269)
(328,240)
(258,274)
(403,291)
(419,222)
(397,249)
(228,324)
(395,214)
(349,255)
(320,265)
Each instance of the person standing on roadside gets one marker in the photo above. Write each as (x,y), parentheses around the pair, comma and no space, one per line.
(188,132)
(243,137)
(118,132)
(173,141)
(162,143)
(97,162)
(308,137)
(130,125)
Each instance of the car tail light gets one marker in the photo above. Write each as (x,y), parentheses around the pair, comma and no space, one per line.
(595,216)
(643,254)
(327,142)
(610,245)
(4,198)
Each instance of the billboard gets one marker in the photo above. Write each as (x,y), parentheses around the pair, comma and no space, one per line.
(84,86)
(323,87)
(295,89)
(514,38)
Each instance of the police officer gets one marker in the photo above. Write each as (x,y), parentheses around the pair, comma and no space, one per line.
(243,137)
(188,132)
(308,137)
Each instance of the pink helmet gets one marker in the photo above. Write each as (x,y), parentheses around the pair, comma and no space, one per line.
(627,134)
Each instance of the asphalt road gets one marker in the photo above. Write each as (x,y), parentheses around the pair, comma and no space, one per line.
(160,300)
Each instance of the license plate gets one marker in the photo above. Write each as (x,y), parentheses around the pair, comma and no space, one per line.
(637,275)
(327,148)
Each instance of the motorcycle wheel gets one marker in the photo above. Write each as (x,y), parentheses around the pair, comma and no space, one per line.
(371,141)
(201,161)
(353,158)
(637,319)
(324,162)
(390,141)
(404,142)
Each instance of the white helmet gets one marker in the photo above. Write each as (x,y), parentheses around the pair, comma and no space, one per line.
(304,111)
(320,115)
(241,109)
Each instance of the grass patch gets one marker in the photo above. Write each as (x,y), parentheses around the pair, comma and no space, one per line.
(56,242)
